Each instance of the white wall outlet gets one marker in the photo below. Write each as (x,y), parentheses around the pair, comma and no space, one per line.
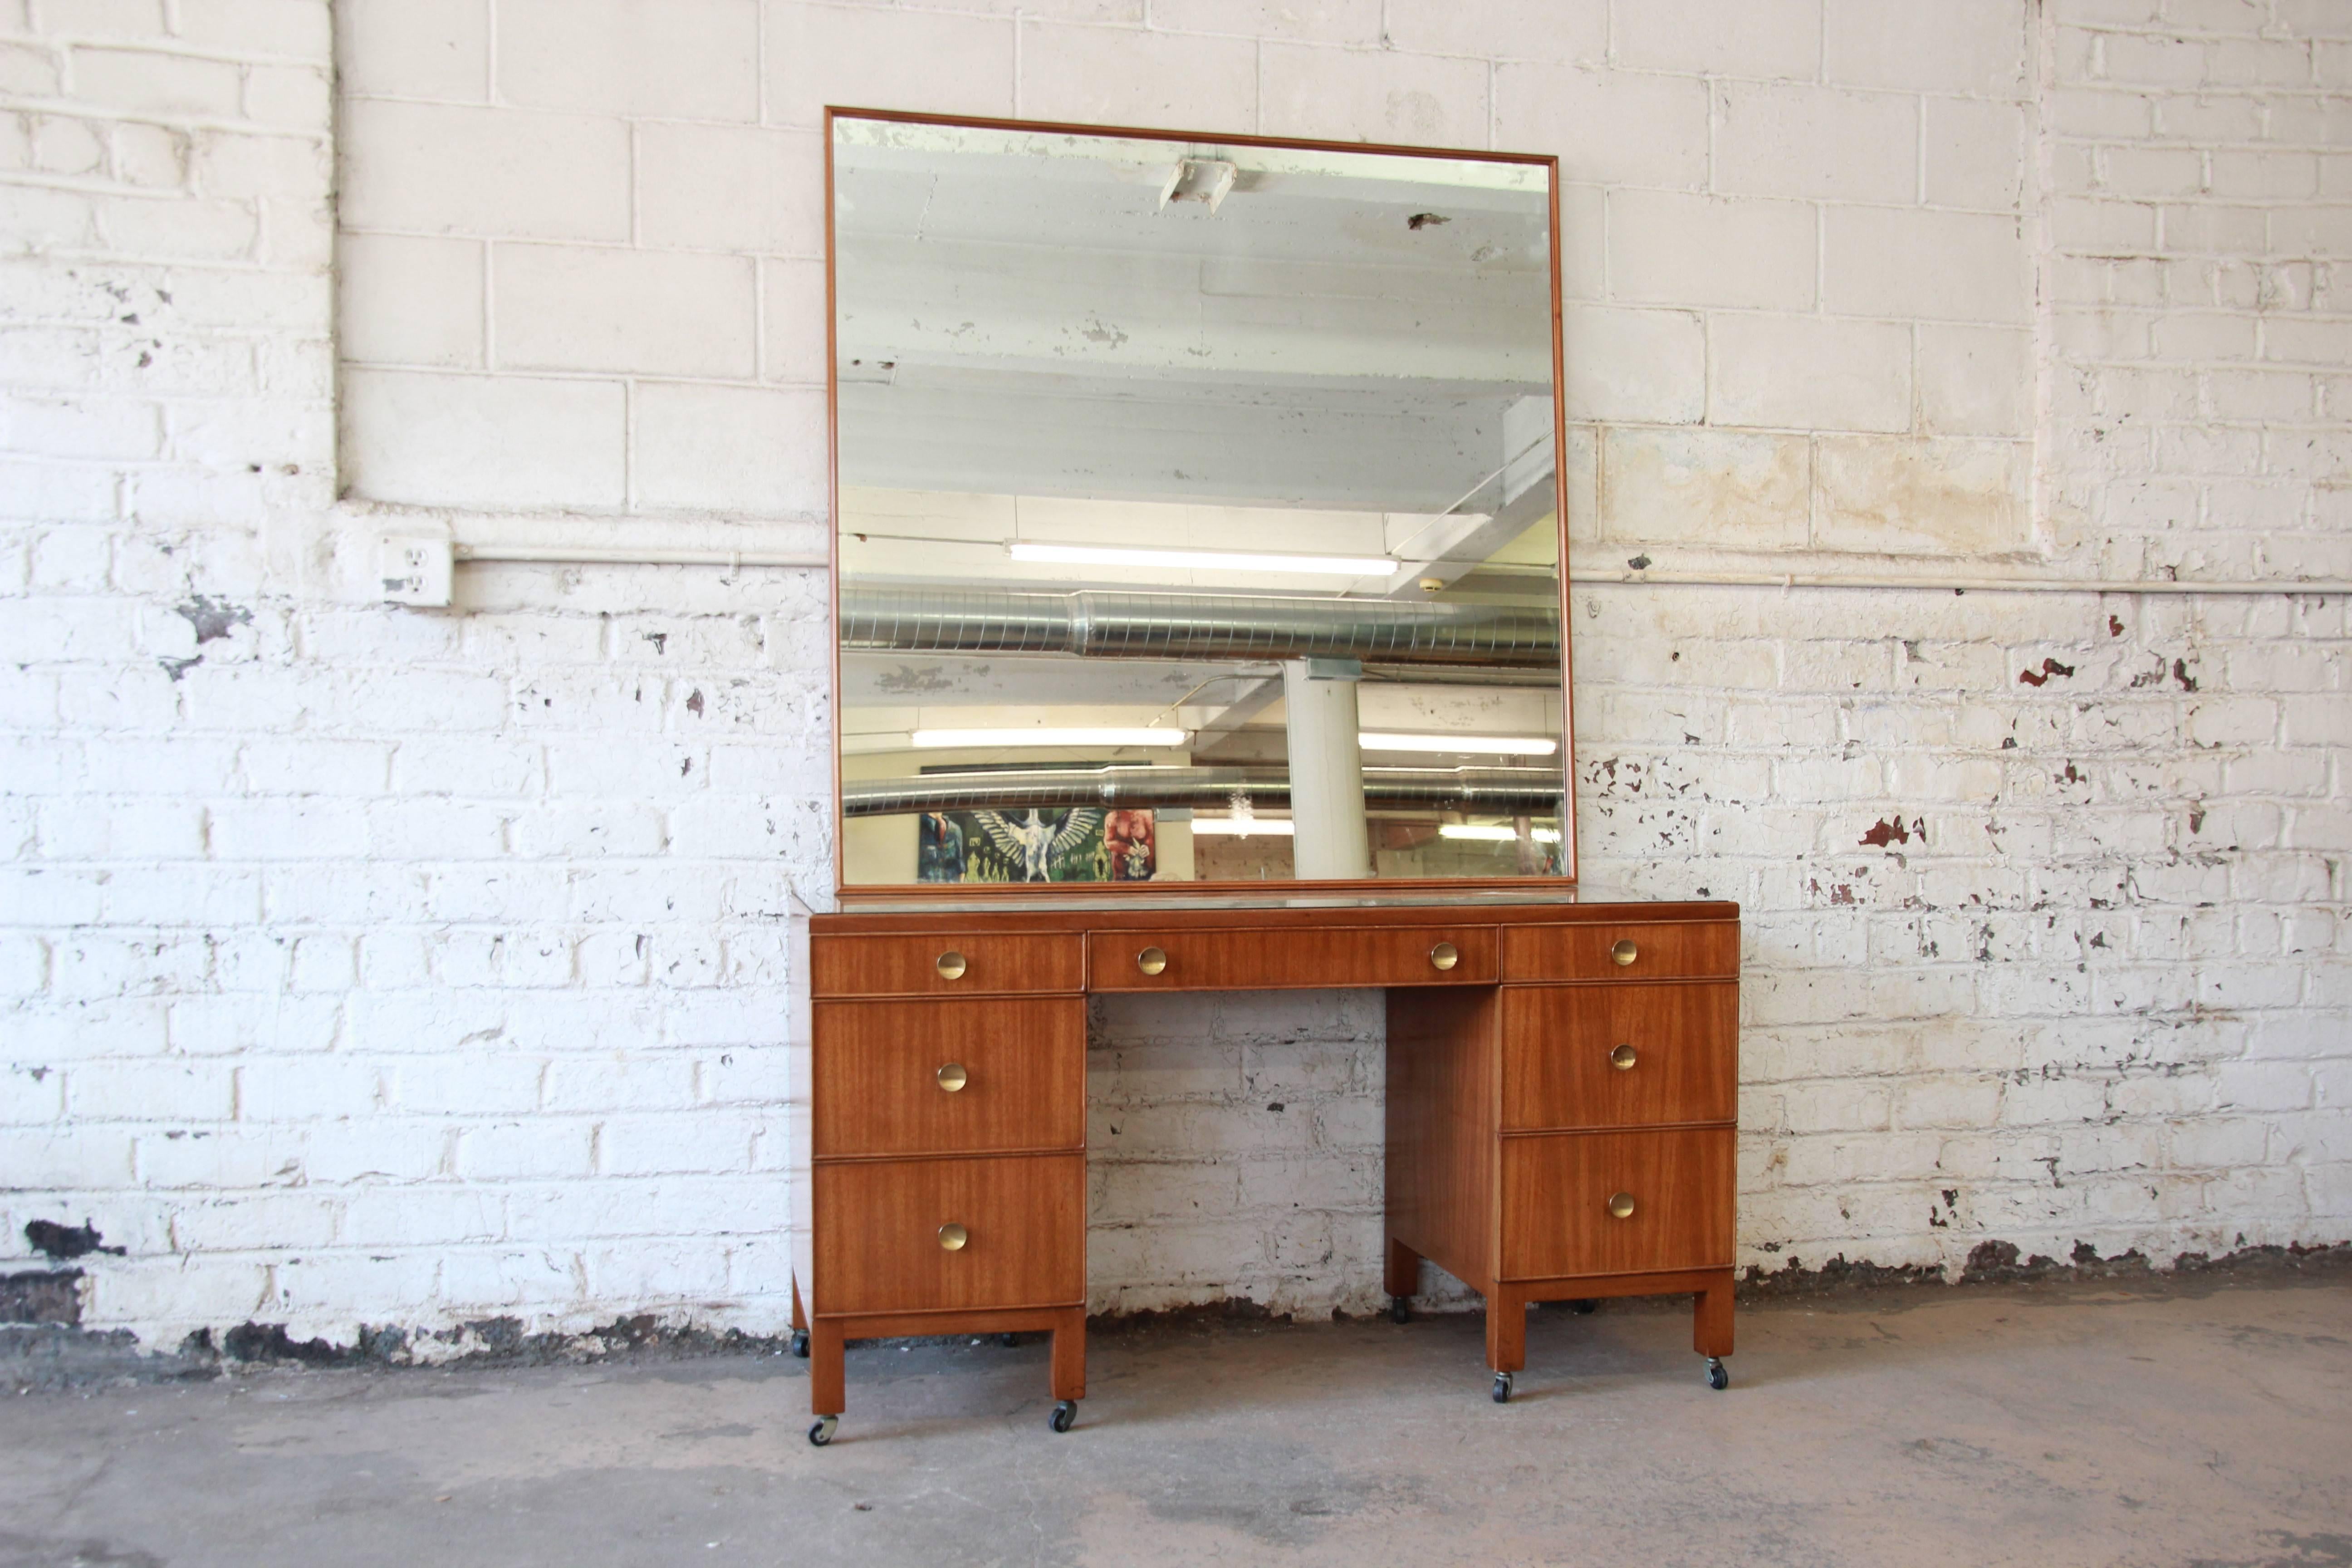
(416,568)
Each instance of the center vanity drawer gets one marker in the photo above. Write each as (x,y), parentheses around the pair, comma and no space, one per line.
(1623,949)
(1620,1055)
(1616,1203)
(948,965)
(943,1078)
(1191,960)
(918,1236)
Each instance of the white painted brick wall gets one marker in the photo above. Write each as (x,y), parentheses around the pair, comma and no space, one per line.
(402,968)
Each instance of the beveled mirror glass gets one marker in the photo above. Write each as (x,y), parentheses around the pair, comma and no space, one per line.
(1197,506)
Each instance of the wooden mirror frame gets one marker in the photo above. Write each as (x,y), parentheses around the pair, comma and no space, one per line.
(1181,892)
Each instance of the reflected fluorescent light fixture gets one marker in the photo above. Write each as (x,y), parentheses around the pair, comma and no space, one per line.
(1485,833)
(1203,560)
(1245,826)
(935,740)
(1505,745)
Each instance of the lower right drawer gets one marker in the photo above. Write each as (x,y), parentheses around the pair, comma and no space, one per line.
(1616,1203)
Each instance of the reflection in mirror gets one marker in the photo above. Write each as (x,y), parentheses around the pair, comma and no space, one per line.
(1197,509)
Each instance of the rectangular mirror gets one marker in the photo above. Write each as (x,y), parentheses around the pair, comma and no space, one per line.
(1199,520)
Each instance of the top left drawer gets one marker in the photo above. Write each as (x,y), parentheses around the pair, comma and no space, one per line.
(950,964)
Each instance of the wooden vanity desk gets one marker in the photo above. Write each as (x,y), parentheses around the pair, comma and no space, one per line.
(1562,1074)
(1200,622)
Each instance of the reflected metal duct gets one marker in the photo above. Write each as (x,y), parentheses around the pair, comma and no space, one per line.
(1095,623)
(1502,792)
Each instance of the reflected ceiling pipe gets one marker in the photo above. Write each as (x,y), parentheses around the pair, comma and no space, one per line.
(1487,791)
(1327,769)
(1112,623)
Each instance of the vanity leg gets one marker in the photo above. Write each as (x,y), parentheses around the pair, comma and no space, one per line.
(1069,1374)
(827,1380)
(1506,1329)
(1711,1320)
(1403,1271)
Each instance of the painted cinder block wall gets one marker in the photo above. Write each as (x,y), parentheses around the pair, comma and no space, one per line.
(370,966)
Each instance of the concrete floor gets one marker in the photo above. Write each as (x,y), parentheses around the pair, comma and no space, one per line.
(2168,1424)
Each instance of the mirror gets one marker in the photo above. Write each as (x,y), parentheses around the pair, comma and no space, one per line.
(1198,511)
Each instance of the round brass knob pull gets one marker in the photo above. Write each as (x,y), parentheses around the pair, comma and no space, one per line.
(1623,1057)
(953,1237)
(950,966)
(1624,952)
(1151,960)
(1444,955)
(952,1076)
(1622,1206)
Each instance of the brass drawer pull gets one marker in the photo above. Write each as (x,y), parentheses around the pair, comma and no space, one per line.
(1622,1058)
(953,1237)
(1621,1204)
(1151,960)
(950,966)
(1624,952)
(952,1076)
(1444,955)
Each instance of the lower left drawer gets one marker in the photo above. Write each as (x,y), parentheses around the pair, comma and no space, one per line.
(921,1236)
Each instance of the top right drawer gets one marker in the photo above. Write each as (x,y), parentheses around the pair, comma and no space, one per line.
(1623,949)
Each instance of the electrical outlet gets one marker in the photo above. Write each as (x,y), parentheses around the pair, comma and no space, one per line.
(415,569)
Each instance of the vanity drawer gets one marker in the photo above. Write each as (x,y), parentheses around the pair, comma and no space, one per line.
(1557,1193)
(1189,960)
(948,965)
(949,1078)
(878,1224)
(1620,1055)
(1626,950)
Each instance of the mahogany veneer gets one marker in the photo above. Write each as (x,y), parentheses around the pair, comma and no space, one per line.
(1563,1084)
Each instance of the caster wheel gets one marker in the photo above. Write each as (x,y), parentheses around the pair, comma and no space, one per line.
(1718,1378)
(822,1433)
(1065,1415)
(1008,1340)
(1502,1388)
(800,1343)
(1400,1310)
(1585,1308)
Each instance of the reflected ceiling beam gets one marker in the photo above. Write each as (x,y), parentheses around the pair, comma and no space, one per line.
(1251,701)
(1453,547)
(1486,791)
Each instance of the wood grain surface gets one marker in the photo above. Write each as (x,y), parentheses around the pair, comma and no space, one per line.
(908,965)
(1259,960)
(1662,951)
(876,1084)
(877,1224)
(1556,1041)
(1441,1132)
(1556,1192)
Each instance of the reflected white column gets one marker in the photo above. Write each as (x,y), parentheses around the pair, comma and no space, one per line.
(1327,768)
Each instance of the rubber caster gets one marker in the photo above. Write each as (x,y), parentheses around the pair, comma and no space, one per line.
(1400,1310)
(1502,1388)
(800,1343)
(822,1433)
(1008,1340)
(1718,1378)
(1585,1308)
(1065,1415)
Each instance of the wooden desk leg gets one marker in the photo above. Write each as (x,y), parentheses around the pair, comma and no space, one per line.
(1069,1374)
(800,1318)
(1506,1329)
(1711,1319)
(827,1380)
(1404,1273)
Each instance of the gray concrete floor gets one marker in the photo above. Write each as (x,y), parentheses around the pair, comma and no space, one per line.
(2166,1423)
